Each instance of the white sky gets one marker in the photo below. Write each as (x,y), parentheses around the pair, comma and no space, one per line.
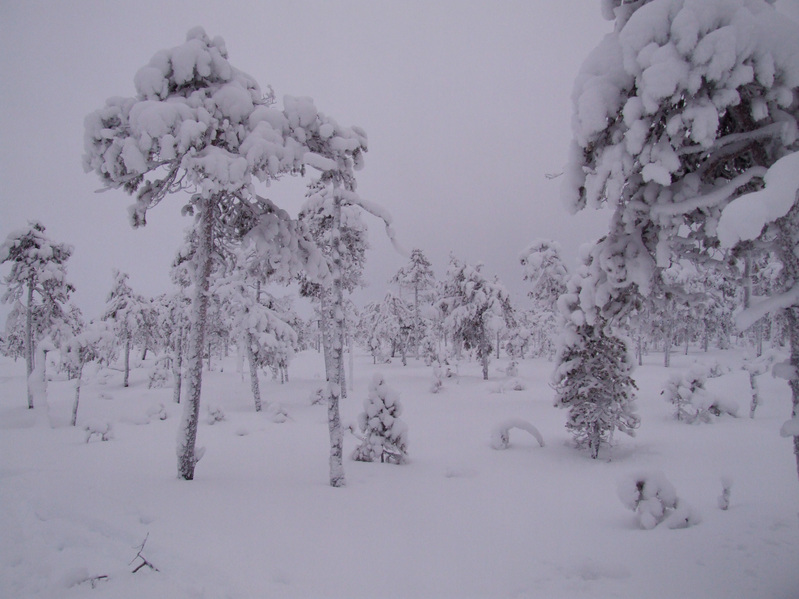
(466,105)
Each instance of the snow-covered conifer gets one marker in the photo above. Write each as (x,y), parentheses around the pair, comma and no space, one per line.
(418,276)
(38,273)
(385,434)
(650,495)
(474,308)
(128,313)
(546,273)
(683,108)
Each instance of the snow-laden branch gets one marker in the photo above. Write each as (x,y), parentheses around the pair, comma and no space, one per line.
(744,218)
(751,315)
(713,198)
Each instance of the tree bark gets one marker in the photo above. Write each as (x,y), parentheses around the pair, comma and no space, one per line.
(187,433)
(254,386)
(127,360)
(334,316)
(29,349)
(177,366)
(74,420)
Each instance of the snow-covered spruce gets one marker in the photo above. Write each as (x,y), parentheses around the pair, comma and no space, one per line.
(384,434)
(726,490)
(500,436)
(593,381)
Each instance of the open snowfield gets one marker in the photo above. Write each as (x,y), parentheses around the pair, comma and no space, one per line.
(460,520)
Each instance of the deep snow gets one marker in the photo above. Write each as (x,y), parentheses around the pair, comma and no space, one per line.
(459,520)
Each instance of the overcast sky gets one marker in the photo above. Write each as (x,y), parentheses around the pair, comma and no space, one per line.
(466,105)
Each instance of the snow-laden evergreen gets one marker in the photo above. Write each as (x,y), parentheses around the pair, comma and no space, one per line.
(384,434)
(474,309)
(38,274)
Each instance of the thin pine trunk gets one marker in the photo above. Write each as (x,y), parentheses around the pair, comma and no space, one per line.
(334,316)
(254,386)
(29,349)
(177,366)
(187,434)
(74,420)
(127,360)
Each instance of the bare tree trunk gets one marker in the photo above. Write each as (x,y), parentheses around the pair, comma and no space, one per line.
(29,349)
(254,386)
(74,420)
(640,349)
(177,366)
(127,360)
(334,317)
(187,433)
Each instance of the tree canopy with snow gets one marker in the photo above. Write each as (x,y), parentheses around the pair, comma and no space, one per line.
(198,124)
(38,273)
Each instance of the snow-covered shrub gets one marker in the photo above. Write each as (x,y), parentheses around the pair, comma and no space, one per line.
(512,370)
(97,428)
(692,402)
(683,516)
(385,435)
(650,495)
(160,374)
(215,414)
(438,380)
(277,413)
(500,436)
(726,488)
(158,411)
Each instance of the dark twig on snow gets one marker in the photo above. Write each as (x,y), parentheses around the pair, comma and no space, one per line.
(144,560)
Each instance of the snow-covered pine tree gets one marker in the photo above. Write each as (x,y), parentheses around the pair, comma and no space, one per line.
(474,308)
(38,273)
(128,313)
(546,273)
(418,276)
(385,435)
(683,108)
(200,125)
(91,344)
(593,381)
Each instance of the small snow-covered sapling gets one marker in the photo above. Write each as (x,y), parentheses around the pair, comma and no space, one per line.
(215,414)
(385,435)
(96,428)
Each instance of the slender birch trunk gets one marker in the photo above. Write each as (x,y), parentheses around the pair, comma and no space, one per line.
(187,433)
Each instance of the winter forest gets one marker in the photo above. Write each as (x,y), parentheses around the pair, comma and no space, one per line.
(626,426)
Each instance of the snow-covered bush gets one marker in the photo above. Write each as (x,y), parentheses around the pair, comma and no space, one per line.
(317,396)
(726,489)
(215,414)
(385,435)
(438,380)
(160,373)
(692,402)
(650,495)
(500,436)
(158,411)
(97,428)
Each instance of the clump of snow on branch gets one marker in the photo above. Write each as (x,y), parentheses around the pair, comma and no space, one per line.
(384,434)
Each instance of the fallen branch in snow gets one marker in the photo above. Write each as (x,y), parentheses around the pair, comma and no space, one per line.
(144,560)
(500,436)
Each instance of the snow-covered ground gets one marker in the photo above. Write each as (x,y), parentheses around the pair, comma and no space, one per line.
(459,520)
